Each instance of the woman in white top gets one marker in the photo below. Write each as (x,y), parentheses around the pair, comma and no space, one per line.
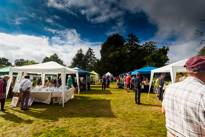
(181,77)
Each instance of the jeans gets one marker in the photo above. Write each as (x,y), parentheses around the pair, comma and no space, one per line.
(137,95)
(2,103)
(103,85)
(23,96)
(108,83)
(88,83)
(161,94)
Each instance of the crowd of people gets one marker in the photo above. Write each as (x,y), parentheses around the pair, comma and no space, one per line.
(183,103)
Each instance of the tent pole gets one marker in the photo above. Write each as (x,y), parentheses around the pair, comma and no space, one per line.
(63,87)
(43,78)
(78,82)
(9,82)
(86,83)
(150,83)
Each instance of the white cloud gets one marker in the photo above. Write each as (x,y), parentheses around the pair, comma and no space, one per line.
(19,19)
(36,48)
(53,23)
(57,17)
(174,19)
(184,50)
(49,20)
(96,12)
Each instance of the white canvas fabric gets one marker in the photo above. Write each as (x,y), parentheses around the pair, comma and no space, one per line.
(172,68)
(45,68)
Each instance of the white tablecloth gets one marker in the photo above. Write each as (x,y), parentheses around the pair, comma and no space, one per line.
(46,96)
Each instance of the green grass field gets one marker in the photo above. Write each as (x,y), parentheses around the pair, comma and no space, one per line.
(112,112)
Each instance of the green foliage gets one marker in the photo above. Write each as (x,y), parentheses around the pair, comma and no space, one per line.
(1,66)
(84,61)
(4,62)
(54,58)
(79,60)
(158,58)
(30,63)
(112,54)
(201,52)
(118,55)
(20,62)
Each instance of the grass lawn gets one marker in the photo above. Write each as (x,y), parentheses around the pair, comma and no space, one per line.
(112,112)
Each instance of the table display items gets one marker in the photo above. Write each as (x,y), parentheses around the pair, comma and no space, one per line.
(49,89)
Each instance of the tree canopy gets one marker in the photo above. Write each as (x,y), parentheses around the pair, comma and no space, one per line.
(201,52)
(84,61)
(53,57)
(4,62)
(30,63)
(20,62)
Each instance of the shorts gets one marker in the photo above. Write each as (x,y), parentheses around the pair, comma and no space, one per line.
(128,86)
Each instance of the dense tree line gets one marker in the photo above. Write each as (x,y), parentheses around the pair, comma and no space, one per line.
(120,55)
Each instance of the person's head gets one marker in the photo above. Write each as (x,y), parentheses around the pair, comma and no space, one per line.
(196,67)
(181,74)
(163,75)
(69,76)
(137,74)
(27,77)
(128,75)
(103,74)
(6,77)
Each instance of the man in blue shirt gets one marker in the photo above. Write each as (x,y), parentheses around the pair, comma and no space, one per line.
(108,81)
(161,85)
(137,82)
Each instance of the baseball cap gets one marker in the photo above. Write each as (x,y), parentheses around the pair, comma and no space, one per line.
(195,64)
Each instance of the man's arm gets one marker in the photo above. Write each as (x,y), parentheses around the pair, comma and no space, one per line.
(163,110)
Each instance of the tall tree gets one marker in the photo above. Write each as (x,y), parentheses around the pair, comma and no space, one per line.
(53,57)
(201,52)
(20,62)
(158,58)
(5,62)
(89,57)
(112,54)
(132,49)
(79,60)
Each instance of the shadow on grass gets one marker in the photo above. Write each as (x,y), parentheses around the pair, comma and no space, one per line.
(93,91)
(77,107)
(151,105)
(12,117)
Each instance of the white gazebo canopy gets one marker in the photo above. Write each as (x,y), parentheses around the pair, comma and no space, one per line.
(45,68)
(108,73)
(172,68)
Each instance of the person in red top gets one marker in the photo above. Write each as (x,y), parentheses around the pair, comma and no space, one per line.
(128,79)
(3,84)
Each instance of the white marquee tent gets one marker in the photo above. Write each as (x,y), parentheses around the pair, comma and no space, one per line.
(108,73)
(172,68)
(45,68)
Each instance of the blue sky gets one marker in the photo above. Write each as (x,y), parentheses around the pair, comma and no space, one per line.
(33,29)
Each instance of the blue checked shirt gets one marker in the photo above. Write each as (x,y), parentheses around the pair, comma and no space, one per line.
(184,104)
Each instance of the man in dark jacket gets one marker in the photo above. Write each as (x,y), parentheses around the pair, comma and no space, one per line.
(137,82)
(3,84)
